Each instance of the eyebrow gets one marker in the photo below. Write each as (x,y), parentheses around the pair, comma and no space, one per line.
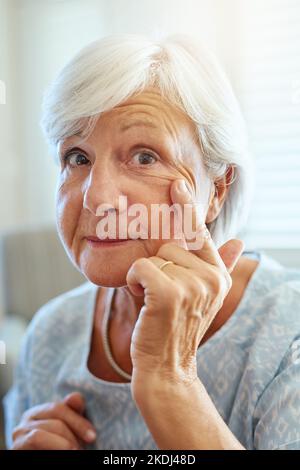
(138,123)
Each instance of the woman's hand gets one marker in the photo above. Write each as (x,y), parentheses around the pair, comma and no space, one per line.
(180,302)
(54,426)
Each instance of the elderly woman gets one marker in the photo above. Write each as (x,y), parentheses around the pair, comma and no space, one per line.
(201,337)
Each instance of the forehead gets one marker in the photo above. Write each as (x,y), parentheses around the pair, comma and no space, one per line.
(148,109)
(149,117)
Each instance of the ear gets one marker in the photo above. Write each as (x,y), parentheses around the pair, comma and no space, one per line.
(218,197)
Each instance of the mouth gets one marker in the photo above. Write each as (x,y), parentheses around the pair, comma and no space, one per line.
(108,242)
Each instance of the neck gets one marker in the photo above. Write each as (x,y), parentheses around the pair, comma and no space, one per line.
(126,306)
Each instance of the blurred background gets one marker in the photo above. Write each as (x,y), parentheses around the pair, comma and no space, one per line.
(258,44)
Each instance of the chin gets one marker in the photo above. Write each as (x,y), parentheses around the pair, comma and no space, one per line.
(110,280)
(109,274)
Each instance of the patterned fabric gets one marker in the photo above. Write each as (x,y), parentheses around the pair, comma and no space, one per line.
(250,367)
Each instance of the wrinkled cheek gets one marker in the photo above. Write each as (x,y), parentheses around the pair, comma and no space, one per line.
(68,209)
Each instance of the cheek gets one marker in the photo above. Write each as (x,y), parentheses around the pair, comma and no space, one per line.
(68,209)
(155,197)
(154,219)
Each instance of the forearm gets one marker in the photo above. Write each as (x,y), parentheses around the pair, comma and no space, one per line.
(182,418)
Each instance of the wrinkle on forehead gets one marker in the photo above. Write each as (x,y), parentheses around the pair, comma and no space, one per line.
(150,107)
(157,108)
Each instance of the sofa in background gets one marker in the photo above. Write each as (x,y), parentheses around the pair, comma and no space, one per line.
(34,268)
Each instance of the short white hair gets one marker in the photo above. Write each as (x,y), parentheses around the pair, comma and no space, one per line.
(110,70)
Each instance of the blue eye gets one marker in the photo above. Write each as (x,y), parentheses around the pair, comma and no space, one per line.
(145,158)
(75,159)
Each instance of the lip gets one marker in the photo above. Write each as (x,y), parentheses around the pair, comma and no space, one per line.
(96,242)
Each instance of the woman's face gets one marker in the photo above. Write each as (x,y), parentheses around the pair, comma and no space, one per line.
(128,154)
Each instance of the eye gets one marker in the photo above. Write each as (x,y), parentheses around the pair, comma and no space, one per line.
(144,158)
(75,159)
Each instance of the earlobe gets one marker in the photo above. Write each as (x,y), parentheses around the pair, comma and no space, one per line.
(216,202)
(213,211)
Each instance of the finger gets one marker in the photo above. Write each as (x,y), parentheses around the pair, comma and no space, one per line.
(53,426)
(75,401)
(175,271)
(207,249)
(172,252)
(39,439)
(81,427)
(231,252)
(142,274)
(194,229)
(157,262)
(60,428)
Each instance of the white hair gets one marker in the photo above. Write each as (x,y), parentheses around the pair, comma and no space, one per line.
(110,70)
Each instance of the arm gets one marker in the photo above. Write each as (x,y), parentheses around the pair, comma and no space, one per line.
(181,417)
(180,303)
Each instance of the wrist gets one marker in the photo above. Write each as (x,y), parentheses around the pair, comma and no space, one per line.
(159,388)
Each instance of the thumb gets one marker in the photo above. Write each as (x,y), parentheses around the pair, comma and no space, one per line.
(230,253)
(75,401)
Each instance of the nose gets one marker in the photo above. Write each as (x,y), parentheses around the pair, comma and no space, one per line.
(101,187)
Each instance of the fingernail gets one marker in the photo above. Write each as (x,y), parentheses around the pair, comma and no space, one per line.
(182,186)
(90,435)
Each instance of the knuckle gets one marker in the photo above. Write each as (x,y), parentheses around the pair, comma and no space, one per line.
(28,414)
(140,263)
(17,431)
(57,408)
(196,287)
(33,413)
(177,293)
(164,251)
(218,282)
(198,294)
(35,437)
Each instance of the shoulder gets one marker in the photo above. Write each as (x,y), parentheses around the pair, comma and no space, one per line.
(274,285)
(270,314)
(279,288)
(267,320)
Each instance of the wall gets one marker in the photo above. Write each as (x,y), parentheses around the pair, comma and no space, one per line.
(10,207)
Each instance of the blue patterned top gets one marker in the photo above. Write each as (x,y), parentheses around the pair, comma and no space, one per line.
(250,366)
